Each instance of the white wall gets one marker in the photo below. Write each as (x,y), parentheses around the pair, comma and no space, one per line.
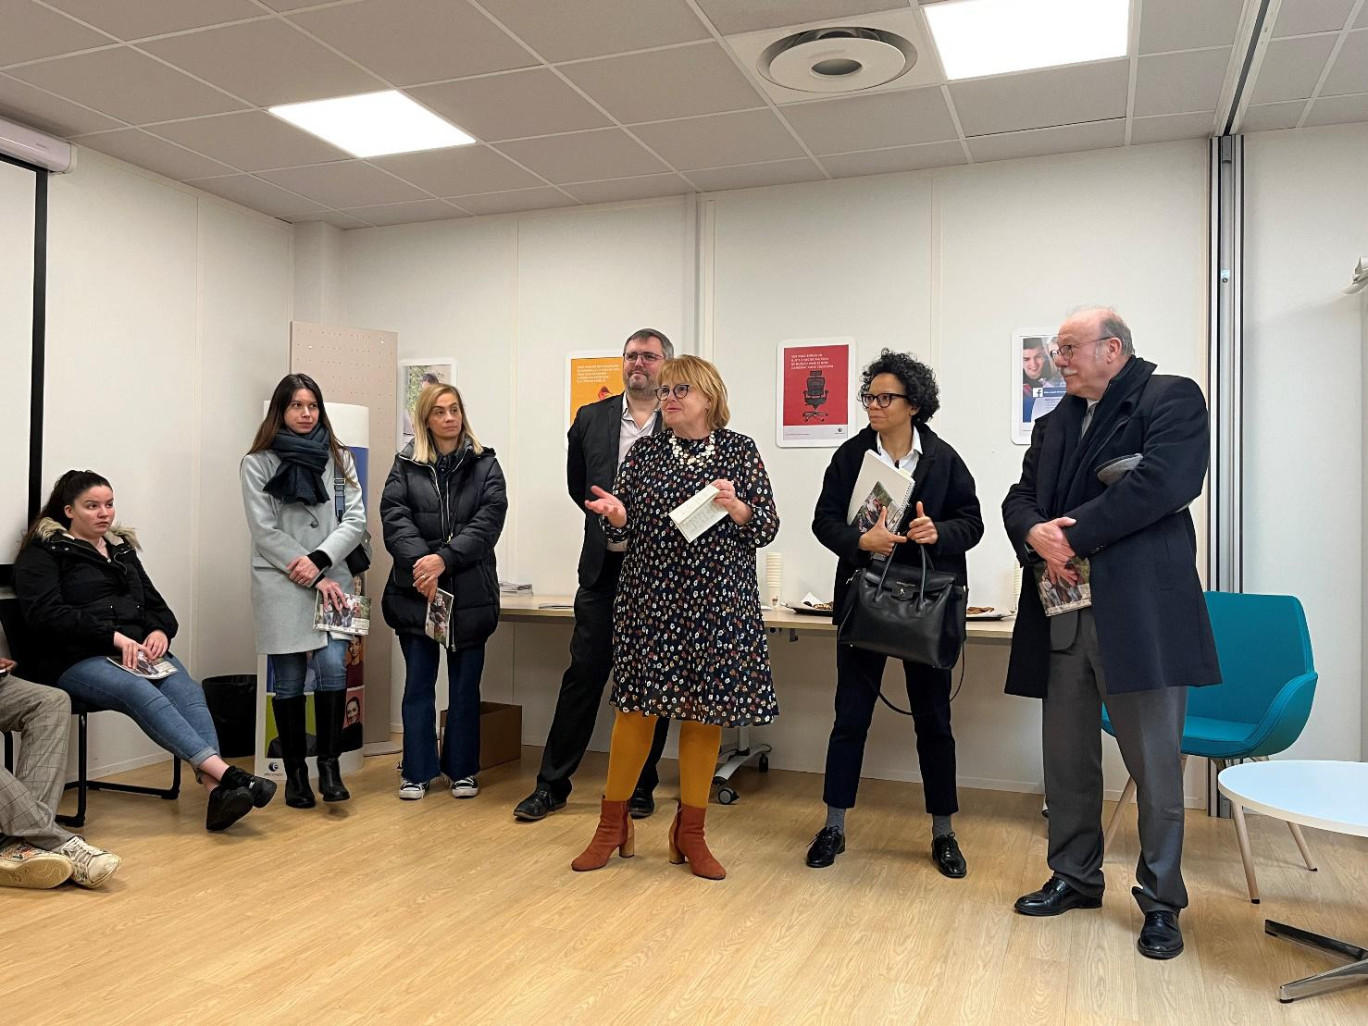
(1306,226)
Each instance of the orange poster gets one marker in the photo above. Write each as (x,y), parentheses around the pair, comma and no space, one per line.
(590,377)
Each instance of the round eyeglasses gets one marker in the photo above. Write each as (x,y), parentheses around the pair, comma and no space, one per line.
(679,391)
(883,399)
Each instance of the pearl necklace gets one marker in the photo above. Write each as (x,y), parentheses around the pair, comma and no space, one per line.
(703,454)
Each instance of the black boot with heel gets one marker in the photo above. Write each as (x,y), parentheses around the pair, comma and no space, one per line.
(289,717)
(329,707)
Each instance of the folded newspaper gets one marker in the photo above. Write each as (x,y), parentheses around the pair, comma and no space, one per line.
(352,618)
(438,623)
(1064,597)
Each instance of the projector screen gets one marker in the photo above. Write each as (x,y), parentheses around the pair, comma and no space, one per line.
(23,216)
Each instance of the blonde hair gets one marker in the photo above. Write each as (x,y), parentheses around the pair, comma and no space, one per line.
(700,374)
(424,447)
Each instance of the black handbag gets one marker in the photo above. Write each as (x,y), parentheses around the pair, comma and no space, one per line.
(359,558)
(906,612)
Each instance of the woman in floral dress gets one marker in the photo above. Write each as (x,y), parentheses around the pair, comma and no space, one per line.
(688,637)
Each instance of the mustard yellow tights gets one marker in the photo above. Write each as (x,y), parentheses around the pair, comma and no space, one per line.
(632,734)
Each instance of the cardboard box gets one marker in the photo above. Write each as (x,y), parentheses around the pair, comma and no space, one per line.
(500,733)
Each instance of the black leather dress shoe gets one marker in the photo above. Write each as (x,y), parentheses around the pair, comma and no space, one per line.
(538,805)
(946,854)
(828,843)
(1055,898)
(642,803)
(1160,936)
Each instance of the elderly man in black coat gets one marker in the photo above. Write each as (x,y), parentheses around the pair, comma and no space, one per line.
(1146,637)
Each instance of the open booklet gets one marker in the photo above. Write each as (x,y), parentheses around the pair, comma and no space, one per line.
(697,513)
(1062,598)
(146,668)
(879,487)
(438,623)
(353,618)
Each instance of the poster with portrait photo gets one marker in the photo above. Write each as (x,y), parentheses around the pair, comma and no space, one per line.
(414,376)
(815,393)
(590,375)
(1037,386)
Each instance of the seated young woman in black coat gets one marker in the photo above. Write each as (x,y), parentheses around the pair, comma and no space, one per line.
(443,510)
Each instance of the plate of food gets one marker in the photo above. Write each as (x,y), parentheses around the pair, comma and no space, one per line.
(985,613)
(812,606)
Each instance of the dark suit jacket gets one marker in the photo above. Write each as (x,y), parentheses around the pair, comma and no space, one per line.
(1152,624)
(591,459)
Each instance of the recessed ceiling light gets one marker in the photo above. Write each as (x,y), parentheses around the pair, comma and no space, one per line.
(373,124)
(992,37)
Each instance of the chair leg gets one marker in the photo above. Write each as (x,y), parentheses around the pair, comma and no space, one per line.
(1242,832)
(9,751)
(82,784)
(1114,824)
(1301,846)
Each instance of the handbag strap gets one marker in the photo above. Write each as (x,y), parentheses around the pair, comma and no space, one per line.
(339,492)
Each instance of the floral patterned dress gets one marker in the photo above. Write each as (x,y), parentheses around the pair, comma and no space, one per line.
(688,637)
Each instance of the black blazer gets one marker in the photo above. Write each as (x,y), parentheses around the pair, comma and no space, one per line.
(941,482)
(591,458)
(1152,624)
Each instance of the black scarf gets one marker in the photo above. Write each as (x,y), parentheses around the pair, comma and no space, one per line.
(302,459)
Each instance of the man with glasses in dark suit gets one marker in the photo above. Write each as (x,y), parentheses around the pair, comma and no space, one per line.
(599,439)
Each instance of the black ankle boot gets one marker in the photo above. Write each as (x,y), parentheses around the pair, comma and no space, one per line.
(289,717)
(329,707)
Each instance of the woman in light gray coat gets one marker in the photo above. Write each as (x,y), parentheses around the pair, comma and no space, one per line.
(291,478)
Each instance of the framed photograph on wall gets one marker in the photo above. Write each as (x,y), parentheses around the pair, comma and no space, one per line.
(1037,385)
(413,376)
(590,375)
(815,393)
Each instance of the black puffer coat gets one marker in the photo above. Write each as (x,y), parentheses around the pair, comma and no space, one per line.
(74,600)
(461,526)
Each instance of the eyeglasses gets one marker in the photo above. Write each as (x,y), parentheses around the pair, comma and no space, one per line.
(1068,349)
(646,358)
(884,399)
(679,391)
(301,407)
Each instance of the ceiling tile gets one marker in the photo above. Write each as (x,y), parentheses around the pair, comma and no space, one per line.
(753,176)
(250,141)
(264,62)
(155,154)
(127,85)
(408,41)
(1185,25)
(407,213)
(512,106)
(731,16)
(584,156)
(1066,139)
(1039,99)
(1291,68)
(719,139)
(459,171)
(344,183)
(134,19)
(665,83)
(1350,71)
(291,5)
(1299,17)
(511,202)
(333,217)
(645,187)
(21,102)
(561,31)
(898,158)
(32,32)
(872,122)
(1363,18)
(1173,126)
(259,195)
(1271,117)
(1175,83)
(1337,110)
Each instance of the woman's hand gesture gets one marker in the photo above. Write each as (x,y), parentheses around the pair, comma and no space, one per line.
(727,498)
(128,650)
(879,539)
(155,645)
(606,504)
(922,530)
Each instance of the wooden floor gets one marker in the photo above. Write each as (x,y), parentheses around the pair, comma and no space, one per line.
(450,912)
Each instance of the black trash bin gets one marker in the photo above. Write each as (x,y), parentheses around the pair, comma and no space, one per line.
(232,704)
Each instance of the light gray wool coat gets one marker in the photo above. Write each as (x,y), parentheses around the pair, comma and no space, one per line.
(283,610)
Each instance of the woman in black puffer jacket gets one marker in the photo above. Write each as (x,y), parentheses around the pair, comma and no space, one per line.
(443,510)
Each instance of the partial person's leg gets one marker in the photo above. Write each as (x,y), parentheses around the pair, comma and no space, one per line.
(698,746)
(289,706)
(928,696)
(859,675)
(461,742)
(650,773)
(421,656)
(28,798)
(632,733)
(330,702)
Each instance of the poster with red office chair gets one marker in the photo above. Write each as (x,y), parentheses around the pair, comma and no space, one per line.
(816,392)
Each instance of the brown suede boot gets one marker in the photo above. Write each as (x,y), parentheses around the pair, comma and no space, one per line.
(614,831)
(687,843)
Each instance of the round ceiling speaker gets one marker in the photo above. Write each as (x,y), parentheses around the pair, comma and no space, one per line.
(837,60)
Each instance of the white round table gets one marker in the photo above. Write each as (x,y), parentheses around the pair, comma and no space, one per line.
(1327,795)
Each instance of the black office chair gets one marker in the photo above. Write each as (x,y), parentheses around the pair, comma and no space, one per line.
(816,396)
(12,622)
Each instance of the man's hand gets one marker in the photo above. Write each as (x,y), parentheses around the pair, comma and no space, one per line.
(1048,541)
(606,504)
(922,530)
(879,539)
(6,664)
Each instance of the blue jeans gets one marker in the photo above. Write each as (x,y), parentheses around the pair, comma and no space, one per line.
(330,669)
(170,711)
(461,744)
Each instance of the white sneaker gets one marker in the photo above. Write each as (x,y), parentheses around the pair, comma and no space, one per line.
(23,865)
(464,788)
(90,866)
(410,791)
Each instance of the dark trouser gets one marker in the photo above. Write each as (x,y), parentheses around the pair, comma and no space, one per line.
(1149,730)
(858,676)
(461,741)
(581,690)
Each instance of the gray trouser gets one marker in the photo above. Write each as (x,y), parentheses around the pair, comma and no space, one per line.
(29,796)
(1149,730)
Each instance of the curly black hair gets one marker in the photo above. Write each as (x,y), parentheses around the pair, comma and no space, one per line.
(918,381)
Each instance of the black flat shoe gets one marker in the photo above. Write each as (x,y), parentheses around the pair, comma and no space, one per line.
(642,803)
(1055,898)
(828,843)
(946,854)
(261,789)
(1160,937)
(537,805)
(227,805)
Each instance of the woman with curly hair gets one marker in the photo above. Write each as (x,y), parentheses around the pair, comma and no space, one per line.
(900,394)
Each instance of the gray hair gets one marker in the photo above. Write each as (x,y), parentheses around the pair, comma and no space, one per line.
(642,334)
(1111,324)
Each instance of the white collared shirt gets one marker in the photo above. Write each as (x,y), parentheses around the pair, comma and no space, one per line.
(908,463)
(628,433)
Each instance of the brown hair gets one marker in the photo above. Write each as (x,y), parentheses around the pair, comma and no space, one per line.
(700,374)
(424,448)
(274,421)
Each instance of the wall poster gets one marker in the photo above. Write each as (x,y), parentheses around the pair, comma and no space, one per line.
(590,375)
(815,392)
(1037,385)
(414,376)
